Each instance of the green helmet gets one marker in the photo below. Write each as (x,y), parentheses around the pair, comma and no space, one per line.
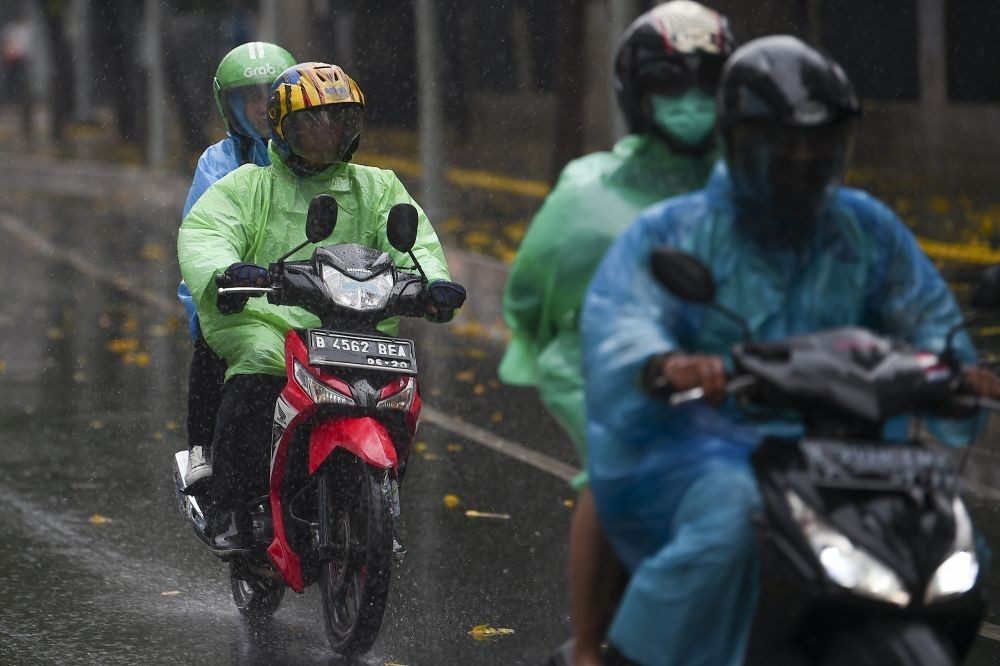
(242,84)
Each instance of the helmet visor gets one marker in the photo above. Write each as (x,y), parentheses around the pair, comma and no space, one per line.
(674,75)
(245,108)
(323,134)
(788,172)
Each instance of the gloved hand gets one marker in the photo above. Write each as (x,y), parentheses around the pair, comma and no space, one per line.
(239,275)
(446,297)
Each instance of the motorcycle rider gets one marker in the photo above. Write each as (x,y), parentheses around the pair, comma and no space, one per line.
(250,218)
(666,69)
(792,252)
(241,85)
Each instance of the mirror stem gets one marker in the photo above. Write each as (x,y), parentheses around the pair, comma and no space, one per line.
(744,326)
(293,251)
(417,264)
(948,355)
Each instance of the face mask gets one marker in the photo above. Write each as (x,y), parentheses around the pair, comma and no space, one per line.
(689,118)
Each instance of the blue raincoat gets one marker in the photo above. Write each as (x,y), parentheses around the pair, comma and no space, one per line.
(217,160)
(673,486)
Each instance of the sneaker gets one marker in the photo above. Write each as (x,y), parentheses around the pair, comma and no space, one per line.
(230,532)
(398,550)
(199,469)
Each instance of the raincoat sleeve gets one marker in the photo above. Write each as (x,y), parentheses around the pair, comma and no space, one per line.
(529,279)
(910,299)
(627,318)
(215,234)
(427,249)
(213,164)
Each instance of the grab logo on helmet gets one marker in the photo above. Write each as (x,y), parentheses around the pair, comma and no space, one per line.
(262,70)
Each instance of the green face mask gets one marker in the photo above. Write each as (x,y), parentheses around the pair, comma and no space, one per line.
(688,118)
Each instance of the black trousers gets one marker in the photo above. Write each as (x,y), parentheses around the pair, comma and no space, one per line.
(241,447)
(208,371)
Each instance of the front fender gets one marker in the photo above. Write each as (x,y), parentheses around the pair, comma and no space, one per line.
(364,436)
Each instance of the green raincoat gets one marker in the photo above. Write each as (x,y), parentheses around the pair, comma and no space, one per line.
(596,198)
(256,214)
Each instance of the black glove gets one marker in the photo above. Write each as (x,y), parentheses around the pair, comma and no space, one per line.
(445,298)
(239,275)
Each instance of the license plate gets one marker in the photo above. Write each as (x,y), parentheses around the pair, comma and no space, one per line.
(362,351)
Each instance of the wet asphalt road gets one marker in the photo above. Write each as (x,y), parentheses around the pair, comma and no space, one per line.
(96,566)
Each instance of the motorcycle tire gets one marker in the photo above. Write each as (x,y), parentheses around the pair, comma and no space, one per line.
(256,597)
(355,519)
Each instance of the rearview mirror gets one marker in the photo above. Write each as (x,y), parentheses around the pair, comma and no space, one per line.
(401,227)
(683,275)
(321,218)
(986,294)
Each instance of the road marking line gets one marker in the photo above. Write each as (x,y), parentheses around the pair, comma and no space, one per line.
(499,444)
(17,228)
(37,241)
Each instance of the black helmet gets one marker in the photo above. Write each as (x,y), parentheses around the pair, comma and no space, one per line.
(785,110)
(670,48)
(782,80)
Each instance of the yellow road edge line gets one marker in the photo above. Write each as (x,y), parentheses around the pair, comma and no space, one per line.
(487,180)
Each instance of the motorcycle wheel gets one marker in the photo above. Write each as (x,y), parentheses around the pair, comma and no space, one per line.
(355,519)
(256,597)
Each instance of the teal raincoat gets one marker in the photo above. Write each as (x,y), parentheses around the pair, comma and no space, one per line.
(673,486)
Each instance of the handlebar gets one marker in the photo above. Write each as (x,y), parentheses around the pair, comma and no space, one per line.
(734,385)
(253,291)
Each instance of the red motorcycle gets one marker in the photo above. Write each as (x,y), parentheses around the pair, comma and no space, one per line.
(342,431)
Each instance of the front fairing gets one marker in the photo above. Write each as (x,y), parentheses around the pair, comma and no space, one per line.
(336,275)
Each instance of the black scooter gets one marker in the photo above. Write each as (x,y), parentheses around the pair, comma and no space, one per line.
(867,550)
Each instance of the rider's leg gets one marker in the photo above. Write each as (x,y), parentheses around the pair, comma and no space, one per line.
(692,602)
(204,396)
(596,581)
(240,454)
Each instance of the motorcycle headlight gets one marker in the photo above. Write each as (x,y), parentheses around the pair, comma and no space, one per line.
(398,398)
(844,563)
(959,571)
(316,390)
(358,295)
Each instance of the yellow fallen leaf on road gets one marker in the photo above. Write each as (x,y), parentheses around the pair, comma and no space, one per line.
(486,514)
(451,501)
(484,632)
(98,519)
(152,252)
(171,425)
(54,333)
(420,447)
(479,389)
(465,376)
(568,503)
(496,417)
(454,448)
(430,456)
(3,367)
(123,345)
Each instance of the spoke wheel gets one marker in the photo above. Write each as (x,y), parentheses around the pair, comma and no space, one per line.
(356,522)
(255,597)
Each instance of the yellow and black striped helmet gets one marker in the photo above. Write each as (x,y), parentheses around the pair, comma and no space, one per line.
(309,103)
